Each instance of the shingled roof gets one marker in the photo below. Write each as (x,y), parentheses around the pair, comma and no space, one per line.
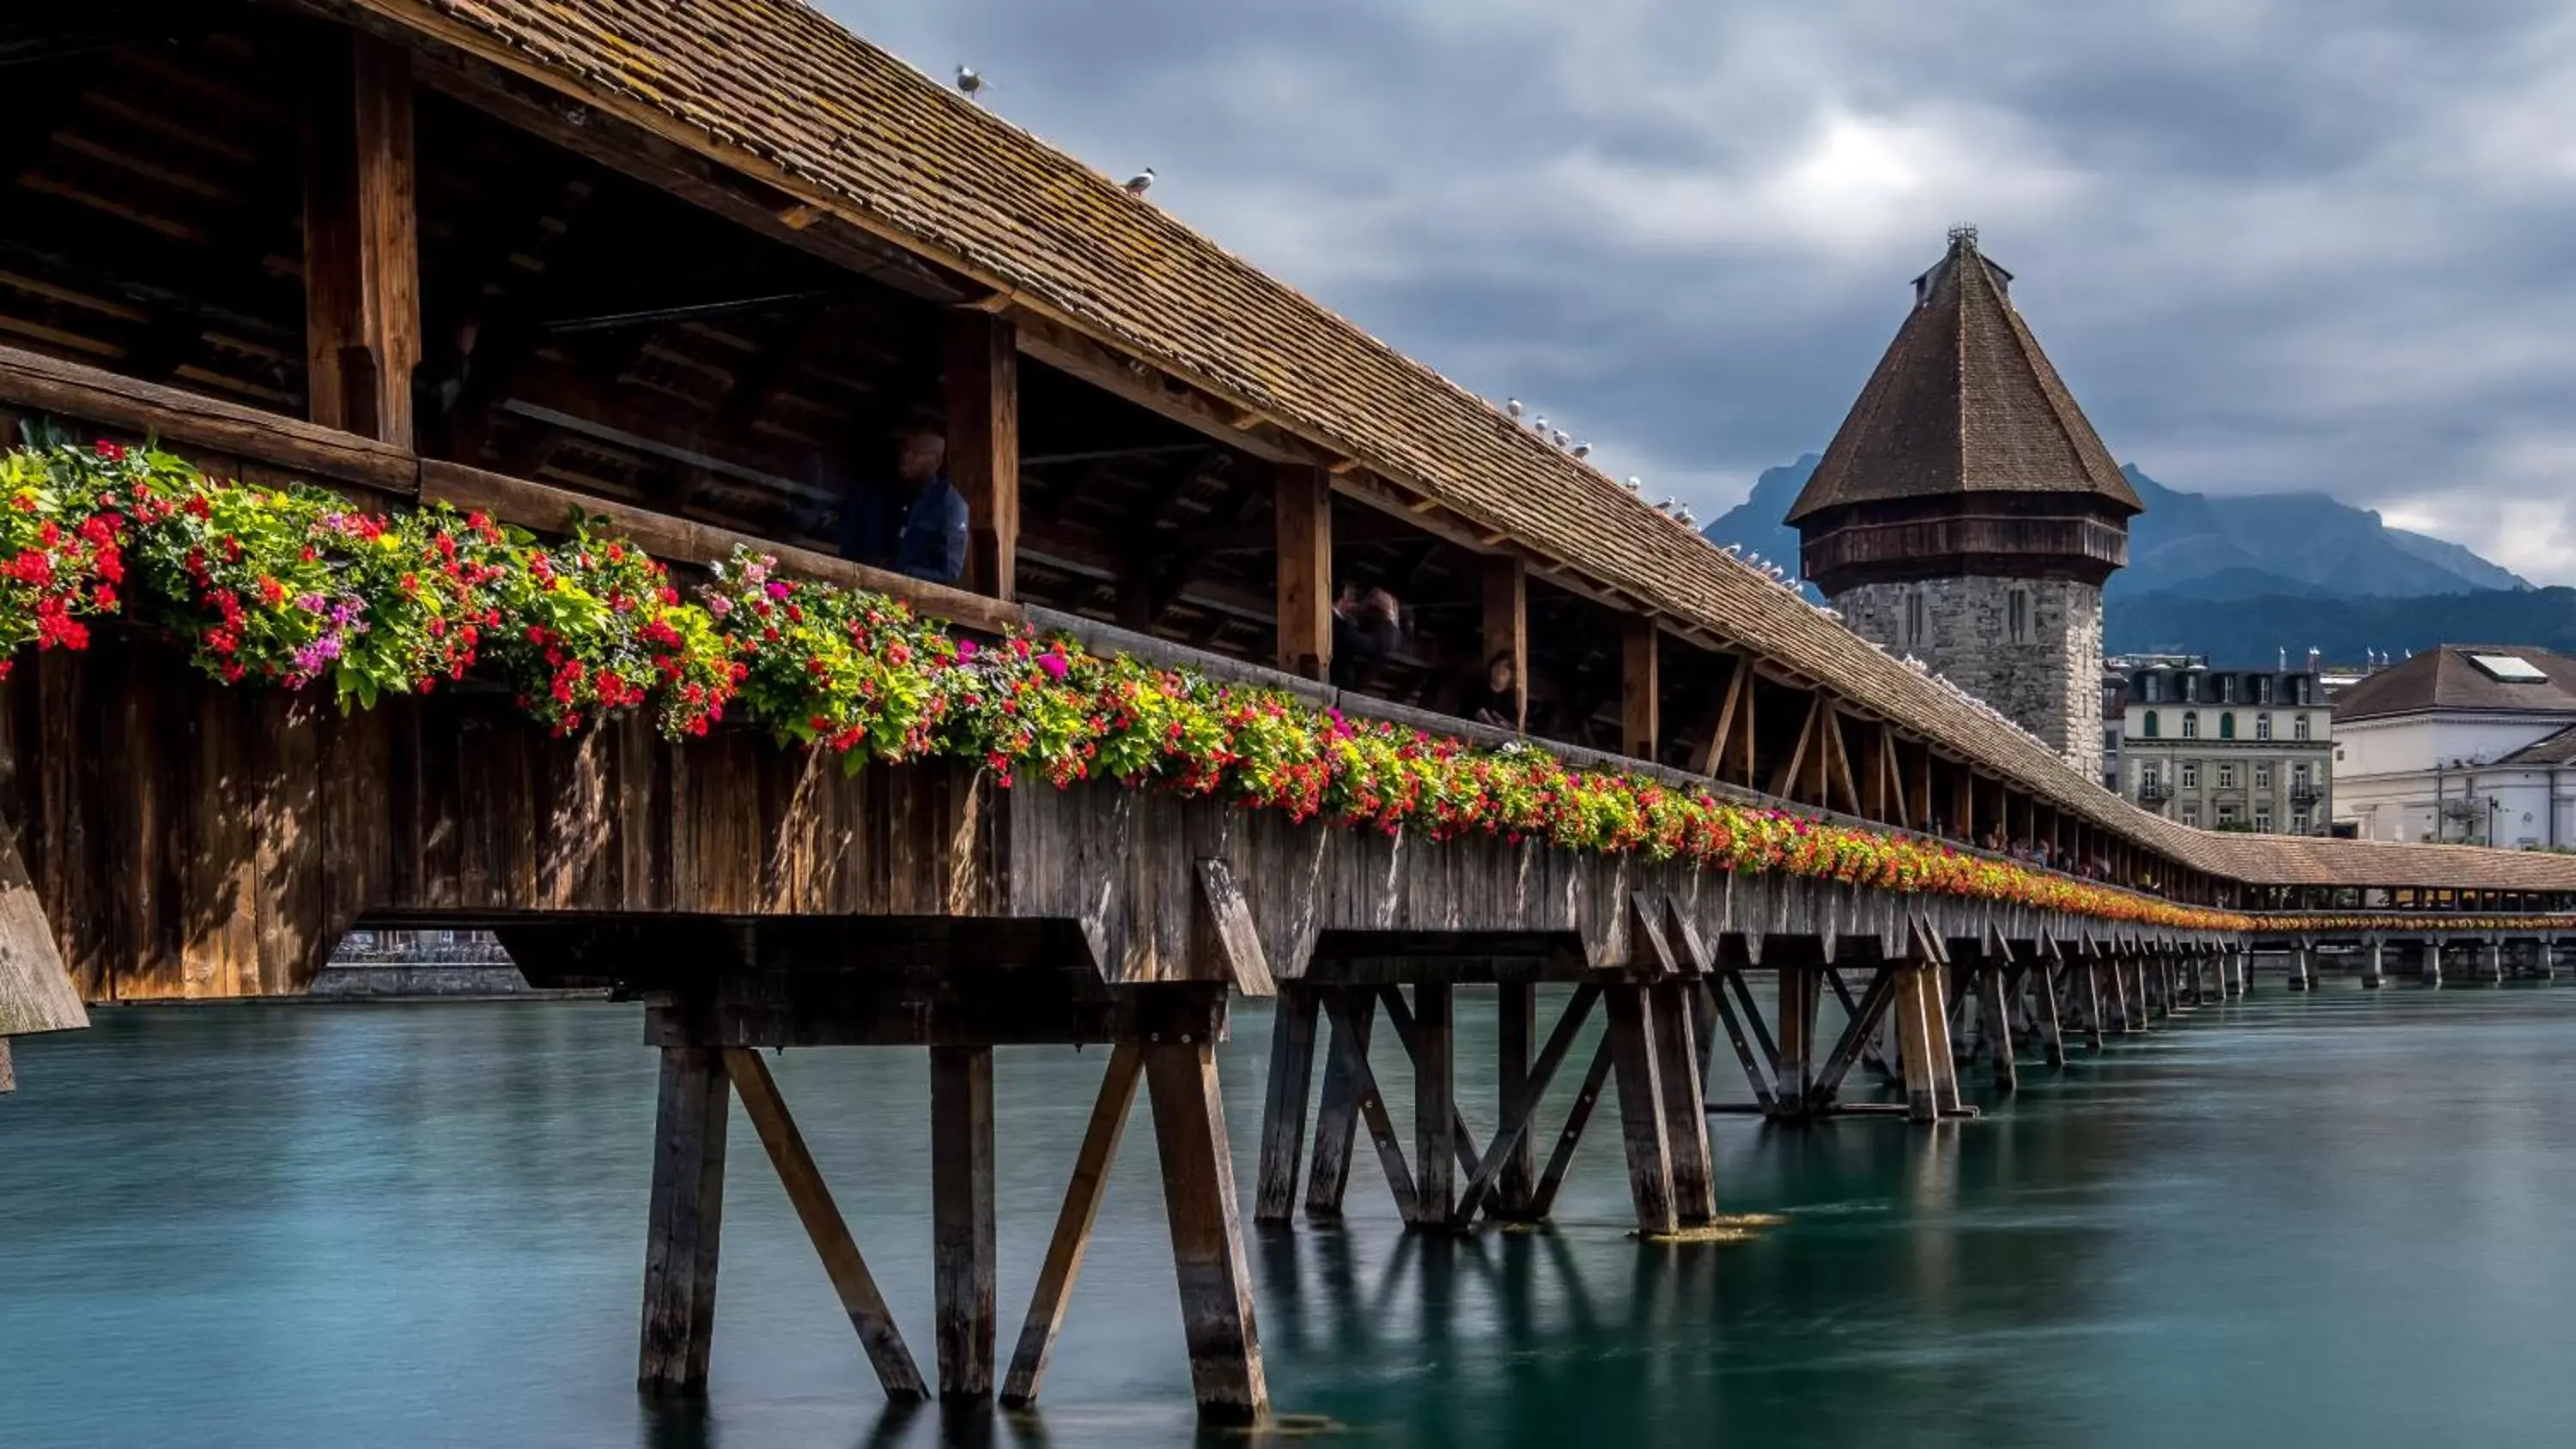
(1964,402)
(774,89)
(2450,678)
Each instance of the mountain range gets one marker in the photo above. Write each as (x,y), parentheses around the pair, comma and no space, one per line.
(2224,575)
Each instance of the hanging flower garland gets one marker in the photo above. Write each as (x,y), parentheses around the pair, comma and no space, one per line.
(291,586)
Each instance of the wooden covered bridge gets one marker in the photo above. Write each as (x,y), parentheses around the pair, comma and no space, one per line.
(684,269)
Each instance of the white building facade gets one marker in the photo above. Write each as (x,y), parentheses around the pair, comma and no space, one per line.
(2225,749)
(2467,744)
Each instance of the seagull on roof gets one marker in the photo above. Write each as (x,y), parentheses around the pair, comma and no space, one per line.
(1732,549)
(1539,425)
(1666,506)
(1141,182)
(1561,438)
(1583,450)
(1512,405)
(968,81)
(1636,484)
(1685,517)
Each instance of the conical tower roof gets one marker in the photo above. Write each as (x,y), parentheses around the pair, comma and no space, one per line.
(1963,403)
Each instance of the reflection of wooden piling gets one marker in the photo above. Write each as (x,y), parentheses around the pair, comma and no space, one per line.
(685,1222)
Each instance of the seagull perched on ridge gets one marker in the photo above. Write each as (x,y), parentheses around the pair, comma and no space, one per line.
(1141,182)
(1732,549)
(1560,436)
(968,81)
(1512,405)
(1636,484)
(1539,425)
(1685,517)
(1583,450)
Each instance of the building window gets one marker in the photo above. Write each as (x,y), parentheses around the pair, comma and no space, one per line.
(2299,691)
(2299,821)
(2262,777)
(2150,776)
(2191,816)
(2227,777)
(2191,774)
(2262,726)
(2191,724)
(2299,727)
(2110,741)
(2299,776)
(2227,725)
(1917,629)
(2227,689)
(2226,814)
(2148,725)
(2263,821)
(2151,688)
(2262,689)
(2017,615)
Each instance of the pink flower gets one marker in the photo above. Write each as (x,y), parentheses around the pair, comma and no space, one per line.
(778,590)
(965,650)
(1053,663)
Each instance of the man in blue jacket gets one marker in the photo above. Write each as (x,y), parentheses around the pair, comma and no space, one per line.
(914,524)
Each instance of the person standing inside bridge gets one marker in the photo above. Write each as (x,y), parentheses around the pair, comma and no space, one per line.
(914,523)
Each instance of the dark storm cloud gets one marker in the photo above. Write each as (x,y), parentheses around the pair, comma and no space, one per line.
(2319,245)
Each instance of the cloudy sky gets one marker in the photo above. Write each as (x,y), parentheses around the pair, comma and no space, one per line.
(2272,244)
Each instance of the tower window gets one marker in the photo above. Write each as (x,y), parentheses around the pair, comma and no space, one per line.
(2262,726)
(2017,615)
(2191,724)
(1916,628)
(2299,726)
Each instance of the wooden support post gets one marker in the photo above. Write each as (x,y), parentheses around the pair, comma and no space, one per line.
(1283,1112)
(1435,1103)
(1570,1136)
(1917,1012)
(1712,756)
(2431,971)
(1685,1109)
(2495,962)
(1305,525)
(984,445)
(1642,1119)
(2160,966)
(1207,1239)
(1516,1176)
(2052,1030)
(961,1216)
(1507,627)
(685,1223)
(1801,992)
(1757,1071)
(1519,1106)
(1994,1021)
(1350,1057)
(1640,688)
(1072,1239)
(1337,1112)
(2088,981)
(824,1225)
(8,1068)
(1865,1017)
(361,239)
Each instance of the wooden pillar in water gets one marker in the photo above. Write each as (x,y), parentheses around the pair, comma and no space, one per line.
(1644,1123)
(1677,1056)
(983,379)
(1283,1112)
(2495,961)
(361,239)
(2088,985)
(1916,1013)
(1435,1103)
(2372,975)
(961,1218)
(1995,1019)
(1801,994)
(2052,1029)
(1304,514)
(1217,1320)
(2431,971)
(685,1222)
(1517,1004)
(1337,1111)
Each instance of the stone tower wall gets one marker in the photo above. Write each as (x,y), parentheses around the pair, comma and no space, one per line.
(2049,681)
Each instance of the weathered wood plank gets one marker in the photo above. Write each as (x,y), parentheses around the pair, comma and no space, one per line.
(685,1225)
(1072,1238)
(1217,1319)
(824,1225)
(984,446)
(1283,1113)
(1304,514)
(1337,1114)
(961,1211)
(361,239)
(1350,1052)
